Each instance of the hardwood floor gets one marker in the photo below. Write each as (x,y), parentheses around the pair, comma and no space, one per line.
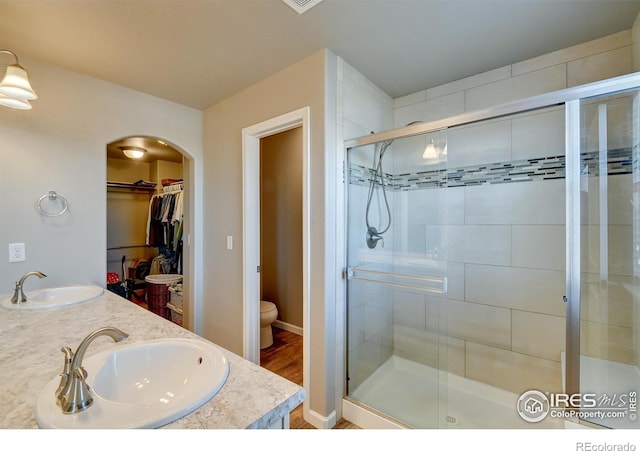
(284,358)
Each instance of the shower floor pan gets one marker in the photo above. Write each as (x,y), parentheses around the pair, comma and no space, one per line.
(426,398)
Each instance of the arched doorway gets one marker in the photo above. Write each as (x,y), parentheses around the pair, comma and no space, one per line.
(146,186)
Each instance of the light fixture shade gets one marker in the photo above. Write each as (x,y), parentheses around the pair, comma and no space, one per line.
(430,152)
(16,84)
(11,102)
(134,153)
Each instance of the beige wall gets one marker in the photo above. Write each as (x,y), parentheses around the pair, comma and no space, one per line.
(307,83)
(161,169)
(61,145)
(127,212)
(281,224)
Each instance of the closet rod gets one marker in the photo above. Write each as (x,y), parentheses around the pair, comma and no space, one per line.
(127,247)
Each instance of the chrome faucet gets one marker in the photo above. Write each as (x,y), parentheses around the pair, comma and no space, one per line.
(73,393)
(18,295)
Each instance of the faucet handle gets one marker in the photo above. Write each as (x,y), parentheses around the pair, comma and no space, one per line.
(64,376)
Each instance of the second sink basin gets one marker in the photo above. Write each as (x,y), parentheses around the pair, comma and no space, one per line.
(142,385)
(54,297)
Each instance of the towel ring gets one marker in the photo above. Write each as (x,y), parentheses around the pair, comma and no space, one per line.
(53,196)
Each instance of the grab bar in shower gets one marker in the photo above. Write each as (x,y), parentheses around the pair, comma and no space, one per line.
(430,284)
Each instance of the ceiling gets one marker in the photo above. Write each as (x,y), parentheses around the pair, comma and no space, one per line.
(199,52)
(155,149)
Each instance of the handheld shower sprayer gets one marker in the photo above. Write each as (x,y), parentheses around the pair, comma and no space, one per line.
(373,234)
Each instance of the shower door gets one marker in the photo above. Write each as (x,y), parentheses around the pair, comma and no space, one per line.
(396,275)
(609,259)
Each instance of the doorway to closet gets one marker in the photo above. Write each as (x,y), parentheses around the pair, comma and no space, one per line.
(145,223)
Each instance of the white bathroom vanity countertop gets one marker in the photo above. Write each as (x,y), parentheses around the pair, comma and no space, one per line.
(30,357)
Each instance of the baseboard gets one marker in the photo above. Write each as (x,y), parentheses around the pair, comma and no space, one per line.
(319,421)
(288,327)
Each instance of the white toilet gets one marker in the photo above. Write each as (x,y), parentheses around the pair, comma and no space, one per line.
(268,314)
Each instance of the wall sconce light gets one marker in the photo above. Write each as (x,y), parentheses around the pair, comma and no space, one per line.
(433,152)
(430,151)
(135,153)
(15,89)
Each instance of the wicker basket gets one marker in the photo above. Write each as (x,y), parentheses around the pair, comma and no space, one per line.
(176,314)
(157,298)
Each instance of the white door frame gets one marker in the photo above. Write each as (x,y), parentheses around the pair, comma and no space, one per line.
(251,233)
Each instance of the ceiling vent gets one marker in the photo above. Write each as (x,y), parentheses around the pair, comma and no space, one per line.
(301,6)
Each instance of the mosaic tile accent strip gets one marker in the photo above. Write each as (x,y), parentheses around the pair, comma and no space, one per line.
(536,169)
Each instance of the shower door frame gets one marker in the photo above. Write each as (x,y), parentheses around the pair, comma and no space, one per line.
(569,98)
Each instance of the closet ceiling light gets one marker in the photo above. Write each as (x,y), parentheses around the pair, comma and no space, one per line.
(15,89)
(134,153)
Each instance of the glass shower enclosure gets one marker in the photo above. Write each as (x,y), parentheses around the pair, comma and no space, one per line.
(492,265)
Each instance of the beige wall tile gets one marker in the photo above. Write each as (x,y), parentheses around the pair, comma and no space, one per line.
(636,330)
(454,273)
(429,348)
(364,103)
(366,358)
(410,99)
(619,247)
(451,356)
(418,345)
(606,341)
(356,327)
(479,143)
(477,323)
(538,335)
(610,304)
(378,315)
(619,120)
(619,206)
(516,203)
(539,246)
(520,87)
(532,290)
(600,67)
(511,371)
(430,110)
(483,244)
(473,81)
(539,134)
(409,309)
(434,206)
(582,50)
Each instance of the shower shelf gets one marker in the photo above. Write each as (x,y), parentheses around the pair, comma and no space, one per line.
(395,279)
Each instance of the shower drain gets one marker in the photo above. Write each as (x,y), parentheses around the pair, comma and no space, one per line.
(451,419)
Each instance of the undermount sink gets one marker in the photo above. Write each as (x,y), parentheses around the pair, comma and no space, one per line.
(54,297)
(141,385)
